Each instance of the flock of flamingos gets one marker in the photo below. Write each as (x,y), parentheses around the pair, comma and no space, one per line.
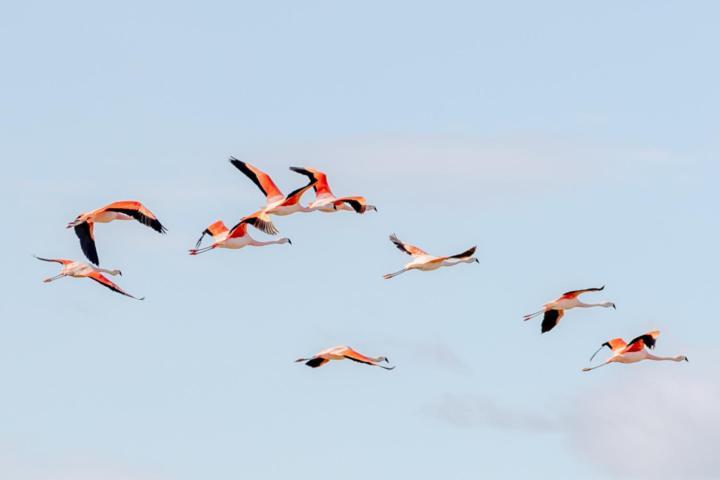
(279,204)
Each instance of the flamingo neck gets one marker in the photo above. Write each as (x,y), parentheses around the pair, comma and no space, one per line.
(650,356)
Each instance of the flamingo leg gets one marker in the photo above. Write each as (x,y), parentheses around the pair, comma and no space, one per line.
(50,279)
(532,315)
(586,369)
(195,251)
(394,274)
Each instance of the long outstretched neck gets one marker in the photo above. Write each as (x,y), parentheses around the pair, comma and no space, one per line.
(105,270)
(588,305)
(258,243)
(677,358)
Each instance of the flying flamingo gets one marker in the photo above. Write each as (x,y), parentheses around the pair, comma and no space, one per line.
(554,311)
(125,210)
(426,262)
(276,202)
(235,238)
(342,352)
(325,201)
(71,268)
(634,351)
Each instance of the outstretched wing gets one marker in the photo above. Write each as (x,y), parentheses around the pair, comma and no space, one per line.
(316,362)
(56,260)
(259,178)
(102,280)
(639,343)
(550,319)
(466,254)
(356,203)
(406,247)
(84,231)
(320,183)
(616,345)
(213,230)
(259,220)
(294,197)
(138,211)
(575,293)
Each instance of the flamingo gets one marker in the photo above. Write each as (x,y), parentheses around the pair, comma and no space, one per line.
(71,268)
(276,202)
(235,238)
(634,351)
(325,201)
(125,210)
(425,262)
(341,352)
(554,311)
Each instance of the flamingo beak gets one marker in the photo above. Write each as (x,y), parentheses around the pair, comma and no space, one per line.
(686,359)
(477,261)
(614,307)
(289,241)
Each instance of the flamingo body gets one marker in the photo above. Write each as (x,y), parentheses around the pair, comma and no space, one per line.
(342,352)
(325,201)
(235,238)
(554,311)
(425,262)
(276,203)
(71,268)
(636,351)
(124,210)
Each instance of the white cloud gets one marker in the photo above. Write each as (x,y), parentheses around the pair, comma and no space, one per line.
(664,425)
(658,424)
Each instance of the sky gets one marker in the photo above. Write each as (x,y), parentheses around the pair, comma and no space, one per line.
(575,144)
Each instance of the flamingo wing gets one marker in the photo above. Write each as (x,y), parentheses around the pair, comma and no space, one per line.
(646,340)
(351,354)
(550,319)
(406,247)
(316,362)
(466,254)
(259,178)
(104,281)
(294,197)
(575,293)
(56,260)
(259,220)
(616,345)
(84,232)
(138,211)
(320,183)
(213,230)
(359,204)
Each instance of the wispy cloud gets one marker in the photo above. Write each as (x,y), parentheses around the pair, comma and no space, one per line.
(469,411)
(662,425)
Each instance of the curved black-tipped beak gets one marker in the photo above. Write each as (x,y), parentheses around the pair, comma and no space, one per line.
(477,261)
(289,241)
(686,359)
(614,307)
(119,273)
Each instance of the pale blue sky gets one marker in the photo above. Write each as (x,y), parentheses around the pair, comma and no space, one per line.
(576,144)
